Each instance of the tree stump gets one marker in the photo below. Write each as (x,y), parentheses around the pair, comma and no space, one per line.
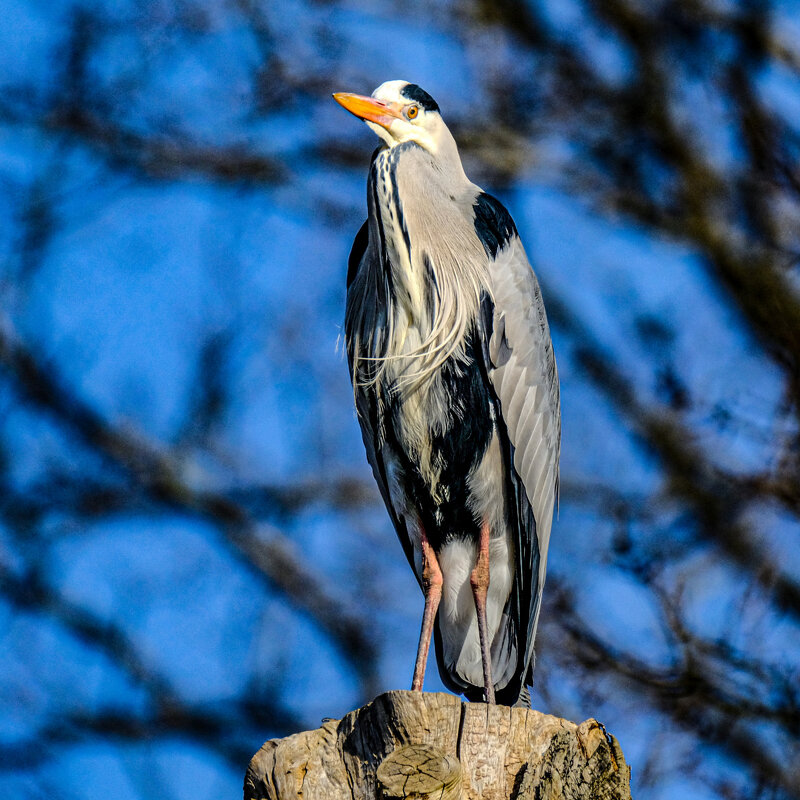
(414,746)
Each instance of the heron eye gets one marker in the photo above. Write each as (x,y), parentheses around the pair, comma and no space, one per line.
(412,112)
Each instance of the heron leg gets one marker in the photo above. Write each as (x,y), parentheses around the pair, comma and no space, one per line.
(479,580)
(432,586)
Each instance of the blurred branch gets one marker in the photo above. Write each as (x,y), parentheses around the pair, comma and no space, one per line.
(86,498)
(159,156)
(81,113)
(345,493)
(263,549)
(221,732)
(714,498)
(709,689)
(209,392)
(30,593)
(637,137)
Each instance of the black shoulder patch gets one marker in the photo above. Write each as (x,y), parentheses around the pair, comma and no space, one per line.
(380,148)
(420,96)
(493,223)
(357,252)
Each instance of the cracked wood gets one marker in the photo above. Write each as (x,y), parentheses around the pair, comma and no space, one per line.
(406,745)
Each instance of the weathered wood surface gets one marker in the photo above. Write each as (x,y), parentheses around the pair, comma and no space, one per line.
(424,745)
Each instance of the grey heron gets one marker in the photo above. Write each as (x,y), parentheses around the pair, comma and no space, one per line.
(457,395)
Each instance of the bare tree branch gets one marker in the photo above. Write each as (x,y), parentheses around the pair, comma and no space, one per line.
(262,549)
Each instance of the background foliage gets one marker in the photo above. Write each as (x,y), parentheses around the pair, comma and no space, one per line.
(193,557)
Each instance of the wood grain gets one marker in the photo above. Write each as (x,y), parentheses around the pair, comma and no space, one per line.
(411,745)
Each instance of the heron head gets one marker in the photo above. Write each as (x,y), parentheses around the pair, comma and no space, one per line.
(398,112)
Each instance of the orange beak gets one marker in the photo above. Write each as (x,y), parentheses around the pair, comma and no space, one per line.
(369,108)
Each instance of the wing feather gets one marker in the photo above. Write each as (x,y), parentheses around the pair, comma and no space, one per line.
(522,371)
(535,433)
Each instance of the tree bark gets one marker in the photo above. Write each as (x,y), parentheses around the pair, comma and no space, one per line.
(423,745)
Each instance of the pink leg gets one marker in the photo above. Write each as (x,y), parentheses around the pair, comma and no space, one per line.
(432,586)
(479,580)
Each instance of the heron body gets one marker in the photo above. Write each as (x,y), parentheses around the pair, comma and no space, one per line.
(457,394)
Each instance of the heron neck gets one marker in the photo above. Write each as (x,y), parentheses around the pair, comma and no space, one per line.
(433,265)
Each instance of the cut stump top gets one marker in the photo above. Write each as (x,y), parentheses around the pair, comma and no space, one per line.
(432,745)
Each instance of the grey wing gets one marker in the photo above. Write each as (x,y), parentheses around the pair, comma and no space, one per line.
(522,370)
